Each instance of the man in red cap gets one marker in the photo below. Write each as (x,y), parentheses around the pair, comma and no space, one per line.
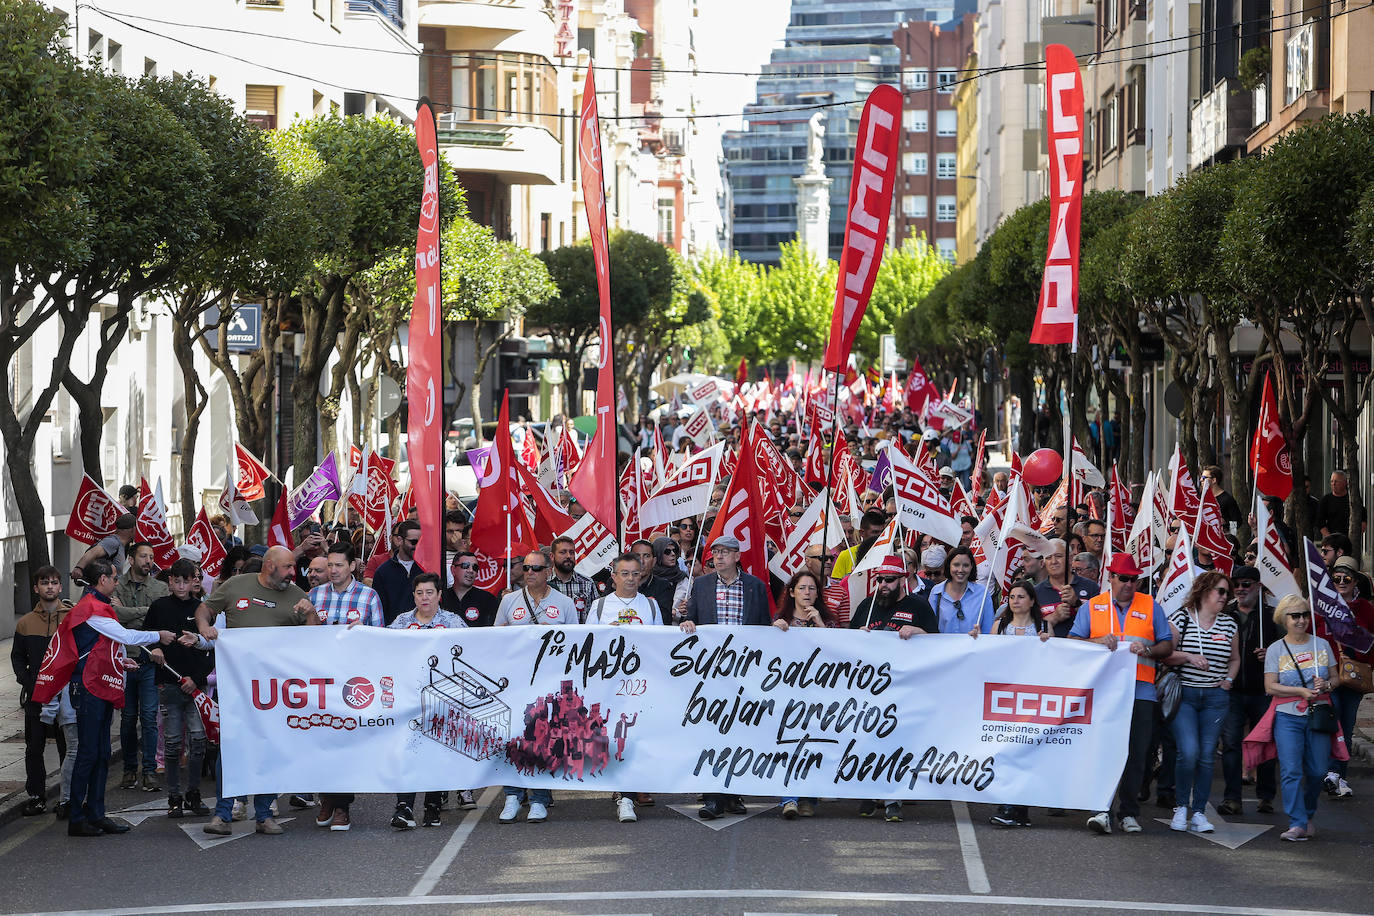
(1121,615)
(889,608)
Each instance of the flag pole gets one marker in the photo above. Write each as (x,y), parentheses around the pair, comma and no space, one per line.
(834,428)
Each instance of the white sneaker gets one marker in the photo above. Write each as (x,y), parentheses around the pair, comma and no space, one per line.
(538,813)
(509,812)
(1130,825)
(625,810)
(1331,782)
(1343,789)
(238,811)
(1180,821)
(1198,823)
(1101,822)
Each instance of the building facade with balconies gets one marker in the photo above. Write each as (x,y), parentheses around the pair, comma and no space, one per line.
(1114,100)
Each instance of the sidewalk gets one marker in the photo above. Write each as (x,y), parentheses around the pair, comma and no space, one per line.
(12,794)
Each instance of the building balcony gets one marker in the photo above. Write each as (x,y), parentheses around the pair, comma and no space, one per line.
(390,10)
(1219,124)
(510,16)
(516,153)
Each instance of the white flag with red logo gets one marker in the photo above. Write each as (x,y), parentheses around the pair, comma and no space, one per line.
(663,463)
(699,428)
(1084,470)
(593,546)
(232,503)
(920,504)
(249,474)
(687,492)
(887,544)
(94,513)
(1178,578)
(1276,572)
(810,529)
(203,538)
(152,525)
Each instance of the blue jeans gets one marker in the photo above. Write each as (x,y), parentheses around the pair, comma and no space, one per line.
(794,799)
(1197,726)
(1302,754)
(535,796)
(140,709)
(91,768)
(1347,703)
(179,714)
(224,807)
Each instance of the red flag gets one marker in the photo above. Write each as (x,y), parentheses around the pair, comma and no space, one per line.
(631,494)
(741,372)
(375,505)
(1270,458)
(500,510)
(202,537)
(424,373)
(1056,320)
(550,519)
(407,504)
(279,534)
(152,526)
(249,474)
(529,451)
(595,483)
(815,456)
(775,477)
(1183,497)
(919,388)
(1123,513)
(93,514)
(741,517)
(977,477)
(840,481)
(865,231)
(1211,531)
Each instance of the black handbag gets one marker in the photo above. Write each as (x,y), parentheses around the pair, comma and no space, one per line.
(1169,685)
(1321,717)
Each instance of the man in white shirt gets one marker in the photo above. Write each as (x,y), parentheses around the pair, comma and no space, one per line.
(534,601)
(626,606)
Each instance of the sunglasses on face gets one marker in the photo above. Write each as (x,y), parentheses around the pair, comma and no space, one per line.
(1245,583)
(528,568)
(467,565)
(672,550)
(414,543)
(1121,578)
(1305,615)
(1223,592)
(889,579)
(1342,579)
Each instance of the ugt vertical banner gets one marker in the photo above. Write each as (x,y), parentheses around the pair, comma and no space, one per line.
(865,229)
(594,485)
(424,384)
(1056,320)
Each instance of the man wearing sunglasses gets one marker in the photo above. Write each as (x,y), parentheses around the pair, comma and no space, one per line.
(475,606)
(394,578)
(534,601)
(1121,615)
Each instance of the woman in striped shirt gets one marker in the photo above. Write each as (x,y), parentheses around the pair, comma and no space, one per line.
(1206,651)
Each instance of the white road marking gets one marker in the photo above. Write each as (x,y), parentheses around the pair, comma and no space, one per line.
(436,869)
(725,820)
(968,846)
(976,903)
(196,832)
(139,813)
(1230,835)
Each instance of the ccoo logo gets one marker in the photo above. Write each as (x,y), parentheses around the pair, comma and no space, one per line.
(358,692)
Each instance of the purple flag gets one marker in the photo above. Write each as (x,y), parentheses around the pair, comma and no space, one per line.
(882,472)
(322,484)
(1327,602)
(477,457)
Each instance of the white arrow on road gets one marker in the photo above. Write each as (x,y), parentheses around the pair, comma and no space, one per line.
(139,813)
(725,820)
(208,840)
(1232,836)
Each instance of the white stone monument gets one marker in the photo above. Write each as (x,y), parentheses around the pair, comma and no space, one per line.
(813,194)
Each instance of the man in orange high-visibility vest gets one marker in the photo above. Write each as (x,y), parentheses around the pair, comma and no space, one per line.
(1121,615)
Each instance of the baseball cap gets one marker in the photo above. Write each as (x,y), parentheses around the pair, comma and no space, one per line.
(930,435)
(947,472)
(933,558)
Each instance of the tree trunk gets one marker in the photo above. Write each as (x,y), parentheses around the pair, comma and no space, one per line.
(195,398)
(339,378)
(1135,439)
(1239,394)
(322,317)
(87,394)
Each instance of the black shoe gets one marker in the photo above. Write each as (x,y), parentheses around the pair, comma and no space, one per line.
(443,800)
(431,816)
(1166,800)
(83,828)
(61,810)
(867,807)
(175,806)
(1266,806)
(709,812)
(194,804)
(1229,807)
(108,826)
(1003,818)
(736,806)
(404,818)
(33,807)
(1056,812)
(300,802)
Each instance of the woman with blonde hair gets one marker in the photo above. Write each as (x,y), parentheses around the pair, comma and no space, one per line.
(1297,673)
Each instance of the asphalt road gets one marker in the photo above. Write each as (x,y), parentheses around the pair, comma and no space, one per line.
(942,858)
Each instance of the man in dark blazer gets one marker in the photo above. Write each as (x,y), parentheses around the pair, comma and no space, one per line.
(727,597)
(392,581)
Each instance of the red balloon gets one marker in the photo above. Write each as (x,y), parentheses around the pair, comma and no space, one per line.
(1043,467)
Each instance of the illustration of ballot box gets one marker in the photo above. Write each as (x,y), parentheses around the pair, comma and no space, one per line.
(462,710)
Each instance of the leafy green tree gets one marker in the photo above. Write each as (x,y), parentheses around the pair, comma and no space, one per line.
(52,147)
(736,288)
(906,274)
(797,302)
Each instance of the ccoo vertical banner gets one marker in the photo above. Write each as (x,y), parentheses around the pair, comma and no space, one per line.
(1056,320)
(865,229)
(424,382)
(594,486)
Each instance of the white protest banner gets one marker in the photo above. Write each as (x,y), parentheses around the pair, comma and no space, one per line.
(687,492)
(1276,574)
(704,393)
(748,710)
(698,427)
(787,562)
(885,546)
(1179,575)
